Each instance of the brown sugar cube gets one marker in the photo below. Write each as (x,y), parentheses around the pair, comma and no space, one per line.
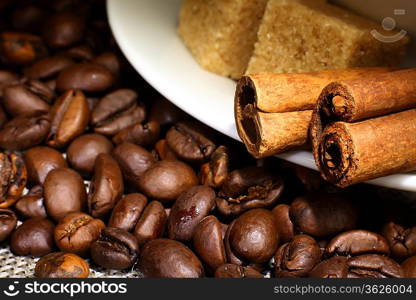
(221,33)
(306,35)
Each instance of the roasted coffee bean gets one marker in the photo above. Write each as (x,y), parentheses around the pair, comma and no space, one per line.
(70,117)
(63,30)
(64,193)
(13,177)
(235,271)
(20,100)
(141,134)
(116,111)
(8,222)
(110,61)
(79,53)
(373,266)
(127,211)
(40,161)
(402,240)
(311,180)
(106,186)
(248,188)
(208,242)
(151,224)
(48,67)
(253,237)
(334,267)
(23,132)
(231,257)
(88,77)
(190,142)
(190,208)
(356,242)
(34,237)
(7,78)
(163,150)
(28,17)
(164,112)
(298,257)
(83,151)
(215,172)
(166,180)
(170,259)
(62,265)
(283,223)
(134,160)
(115,249)
(76,232)
(409,267)
(321,215)
(19,48)
(32,204)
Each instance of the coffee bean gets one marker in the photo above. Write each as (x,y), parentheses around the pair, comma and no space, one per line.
(64,192)
(298,257)
(170,259)
(253,237)
(8,222)
(151,224)
(231,256)
(115,249)
(208,242)
(190,208)
(284,225)
(134,160)
(63,29)
(106,186)
(334,267)
(110,61)
(40,161)
(235,271)
(402,240)
(373,266)
(33,237)
(32,204)
(164,112)
(70,117)
(76,232)
(62,265)
(166,180)
(127,211)
(13,177)
(7,78)
(409,267)
(79,53)
(48,67)
(83,151)
(141,134)
(164,151)
(87,77)
(190,142)
(215,172)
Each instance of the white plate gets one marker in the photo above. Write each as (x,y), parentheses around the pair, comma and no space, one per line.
(146,32)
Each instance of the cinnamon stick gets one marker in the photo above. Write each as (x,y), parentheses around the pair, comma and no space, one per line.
(273,111)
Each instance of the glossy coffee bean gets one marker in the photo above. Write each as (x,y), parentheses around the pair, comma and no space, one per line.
(23,132)
(151,225)
(87,77)
(115,249)
(106,186)
(165,112)
(190,142)
(253,237)
(109,60)
(402,241)
(64,193)
(208,242)
(166,180)
(8,222)
(34,237)
(13,178)
(134,160)
(40,161)
(190,208)
(334,267)
(83,151)
(409,267)
(284,225)
(297,257)
(169,259)
(163,150)
(116,111)
(63,29)
(127,211)
(62,265)
(48,67)
(141,134)
(373,266)
(76,232)
(69,118)
(231,256)
(321,215)
(20,100)
(247,188)
(235,271)
(215,172)
(356,242)
(32,204)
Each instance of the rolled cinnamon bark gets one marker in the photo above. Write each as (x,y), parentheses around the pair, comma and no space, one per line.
(273,111)
(354,152)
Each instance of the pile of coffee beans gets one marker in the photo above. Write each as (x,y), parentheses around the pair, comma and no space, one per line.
(98,169)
